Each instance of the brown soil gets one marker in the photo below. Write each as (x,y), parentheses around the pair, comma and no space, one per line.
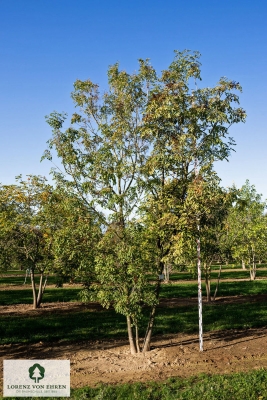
(171,355)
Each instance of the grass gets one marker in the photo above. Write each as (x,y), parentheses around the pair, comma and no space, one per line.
(225,289)
(245,386)
(182,276)
(172,290)
(106,324)
(229,273)
(238,274)
(238,386)
(215,317)
(233,272)
(236,266)
(18,279)
(24,296)
(72,326)
(240,288)
(12,272)
(244,274)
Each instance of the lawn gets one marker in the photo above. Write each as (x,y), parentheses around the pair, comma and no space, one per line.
(171,290)
(240,386)
(85,323)
(89,324)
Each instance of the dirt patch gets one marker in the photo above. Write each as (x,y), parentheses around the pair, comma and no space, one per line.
(93,362)
(175,355)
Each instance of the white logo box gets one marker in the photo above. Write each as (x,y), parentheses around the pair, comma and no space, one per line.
(36,378)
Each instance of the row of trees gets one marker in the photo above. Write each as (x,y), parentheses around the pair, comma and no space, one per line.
(136,180)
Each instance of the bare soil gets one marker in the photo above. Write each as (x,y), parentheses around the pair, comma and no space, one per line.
(171,355)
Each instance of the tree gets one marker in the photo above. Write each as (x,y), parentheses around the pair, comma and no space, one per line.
(102,154)
(23,229)
(246,230)
(134,146)
(187,129)
(211,204)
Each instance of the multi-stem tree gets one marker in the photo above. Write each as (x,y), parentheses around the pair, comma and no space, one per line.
(136,144)
(102,154)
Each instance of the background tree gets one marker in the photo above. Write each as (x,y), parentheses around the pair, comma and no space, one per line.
(23,228)
(246,228)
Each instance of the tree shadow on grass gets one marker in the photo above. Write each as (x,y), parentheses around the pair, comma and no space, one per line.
(232,337)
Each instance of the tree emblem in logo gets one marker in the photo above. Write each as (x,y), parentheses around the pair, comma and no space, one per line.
(36,372)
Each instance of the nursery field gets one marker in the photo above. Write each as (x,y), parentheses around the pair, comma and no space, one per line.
(232,366)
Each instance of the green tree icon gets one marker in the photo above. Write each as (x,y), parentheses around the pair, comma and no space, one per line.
(36,372)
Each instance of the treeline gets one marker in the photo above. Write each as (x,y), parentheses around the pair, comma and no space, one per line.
(136,181)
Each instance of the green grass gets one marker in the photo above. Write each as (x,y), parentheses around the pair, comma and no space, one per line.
(235,266)
(14,280)
(238,274)
(240,288)
(238,386)
(67,326)
(225,289)
(231,273)
(106,324)
(24,296)
(214,275)
(12,272)
(215,317)
(173,290)
(18,279)
(52,280)
(229,266)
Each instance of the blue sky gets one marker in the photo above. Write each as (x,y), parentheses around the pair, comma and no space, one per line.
(46,45)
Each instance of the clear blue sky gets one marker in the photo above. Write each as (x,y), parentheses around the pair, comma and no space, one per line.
(45,45)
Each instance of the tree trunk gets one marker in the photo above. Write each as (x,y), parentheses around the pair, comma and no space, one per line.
(137,339)
(33,289)
(45,284)
(252,270)
(218,282)
(130,335)
(166,272)
(146,345)
(147,340)
(41,289)
(207,281)
(243,264)
(26,276)
(254,267)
